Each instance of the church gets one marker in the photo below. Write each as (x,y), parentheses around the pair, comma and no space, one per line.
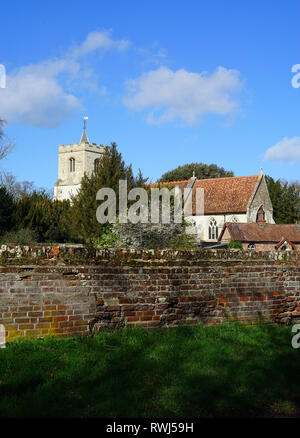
(240,199)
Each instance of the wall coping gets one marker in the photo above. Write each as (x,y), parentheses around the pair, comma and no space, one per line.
(79,253)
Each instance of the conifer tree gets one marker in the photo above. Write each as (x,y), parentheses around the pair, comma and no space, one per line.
(6,210)
(285,198)
(110,169)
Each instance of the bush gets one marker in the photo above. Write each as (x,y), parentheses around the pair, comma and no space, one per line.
(151,236)
(235,244)
(24,236)
(108,238)
(183,241)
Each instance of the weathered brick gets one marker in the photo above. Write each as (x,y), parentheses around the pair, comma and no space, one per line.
(165,288)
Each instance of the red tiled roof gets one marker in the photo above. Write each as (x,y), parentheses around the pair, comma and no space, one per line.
(222,195)
(167,183)
(226,195)
(253,232)
(284,242)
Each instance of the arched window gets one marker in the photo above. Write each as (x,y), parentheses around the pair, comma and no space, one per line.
(72,164)
(213,229)
(96,163)
(260,217)
(251,246)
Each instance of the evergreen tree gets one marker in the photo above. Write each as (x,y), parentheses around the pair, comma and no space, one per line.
(139,180)
(285,199)
(201,170)
(48,219)
(59,220)
(110,169)
(26,211)
(6,210)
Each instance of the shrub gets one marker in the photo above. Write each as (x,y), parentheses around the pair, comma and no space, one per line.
(108,238)
(235,244)
(183,241)
(24,236)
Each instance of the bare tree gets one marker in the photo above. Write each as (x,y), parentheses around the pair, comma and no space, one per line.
(15,188)
(5,145)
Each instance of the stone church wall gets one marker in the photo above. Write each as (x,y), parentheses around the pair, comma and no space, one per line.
(261,198)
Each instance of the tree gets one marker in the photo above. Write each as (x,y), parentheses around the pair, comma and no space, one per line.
(201,171)
(285,198)
(139,180)
(5,145)
(49,220)
(154,235)
(110,169)
(6,210)
(26,213)
(17,189)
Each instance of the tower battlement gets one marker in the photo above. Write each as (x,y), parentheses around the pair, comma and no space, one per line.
(81,146)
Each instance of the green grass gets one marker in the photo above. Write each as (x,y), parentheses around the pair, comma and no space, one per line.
(226,370)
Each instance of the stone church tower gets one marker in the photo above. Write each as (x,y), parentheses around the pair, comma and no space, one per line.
(73,161)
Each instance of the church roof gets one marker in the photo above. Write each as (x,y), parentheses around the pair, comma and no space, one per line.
(226,195)
(253,232)
(222,195)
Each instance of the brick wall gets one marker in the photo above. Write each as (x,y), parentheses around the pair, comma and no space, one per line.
(68,290)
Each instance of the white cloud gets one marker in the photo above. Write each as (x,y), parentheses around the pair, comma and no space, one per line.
(184,95)
(98,40)
(35,98)
(287,150)
(40,95)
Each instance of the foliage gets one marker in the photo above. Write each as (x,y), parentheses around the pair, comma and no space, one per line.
(111,168)
(151,236)
(185,372)
(24,236)
(201,170)
(49,219)
(23,207)
(285,198)
(107,239)
(235,244)
(183,241)
(6,210)
(154,235)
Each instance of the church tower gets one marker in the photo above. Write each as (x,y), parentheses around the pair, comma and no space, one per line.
(73,161)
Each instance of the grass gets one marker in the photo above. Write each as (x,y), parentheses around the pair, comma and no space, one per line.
(203,371)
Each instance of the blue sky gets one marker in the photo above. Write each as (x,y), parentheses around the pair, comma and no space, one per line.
(171,82)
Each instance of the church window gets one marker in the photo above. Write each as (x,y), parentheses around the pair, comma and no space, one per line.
(72,164)
(260,217)
(213,229)
(96,162)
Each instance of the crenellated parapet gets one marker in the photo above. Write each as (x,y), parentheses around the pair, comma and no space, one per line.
(81,147)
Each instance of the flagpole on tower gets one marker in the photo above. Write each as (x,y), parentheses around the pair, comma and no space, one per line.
(84,122)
